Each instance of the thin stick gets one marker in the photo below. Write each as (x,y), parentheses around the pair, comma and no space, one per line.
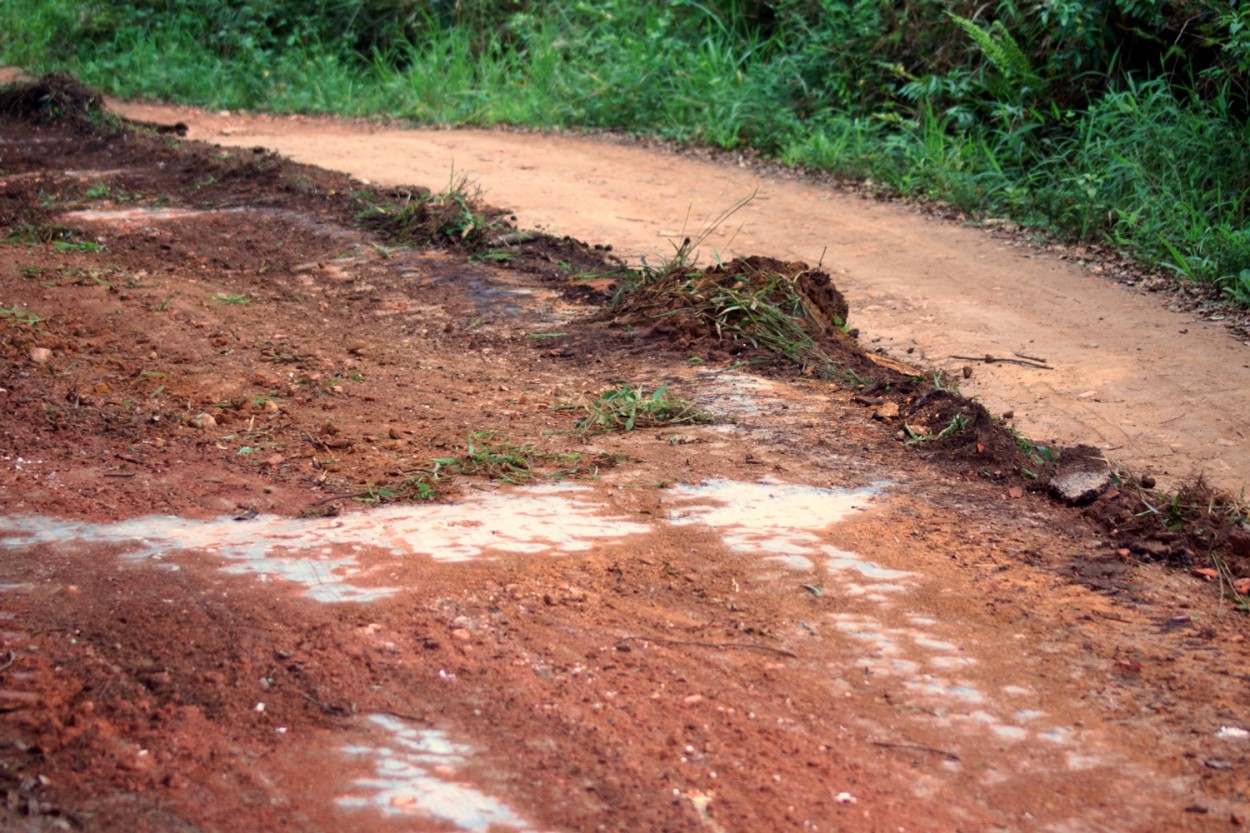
(916,747)
(326,708)
(988,359)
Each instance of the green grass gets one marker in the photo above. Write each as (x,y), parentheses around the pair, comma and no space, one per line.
(626,407)
(19,316)
(77,246)
(493,456)
(1035,111)
(424,217)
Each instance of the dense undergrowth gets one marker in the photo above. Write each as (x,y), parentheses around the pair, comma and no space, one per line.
(1118,120)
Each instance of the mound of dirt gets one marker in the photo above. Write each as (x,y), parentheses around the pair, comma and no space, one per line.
(1197,527)
(747,304)
(55,98)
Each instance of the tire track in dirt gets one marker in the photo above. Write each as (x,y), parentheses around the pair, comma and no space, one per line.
(1161,393)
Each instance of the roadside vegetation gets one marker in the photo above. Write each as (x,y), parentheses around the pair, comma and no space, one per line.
(1123,121)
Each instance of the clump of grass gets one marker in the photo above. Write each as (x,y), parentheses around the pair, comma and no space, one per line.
(493,456)
(36,233)
(626,407)
(455,215)
(19,316)
(957,424)
(77,246)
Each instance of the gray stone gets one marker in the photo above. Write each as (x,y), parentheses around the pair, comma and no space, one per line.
(1081,486)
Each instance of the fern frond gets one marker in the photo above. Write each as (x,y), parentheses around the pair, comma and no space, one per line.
(998,47)
(1013,55)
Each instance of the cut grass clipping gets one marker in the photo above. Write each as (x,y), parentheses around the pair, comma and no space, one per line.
(626,407)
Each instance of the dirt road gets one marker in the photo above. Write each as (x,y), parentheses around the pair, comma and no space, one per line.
(299,533)
(1161,392)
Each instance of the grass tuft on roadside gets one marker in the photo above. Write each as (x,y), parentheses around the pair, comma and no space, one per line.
(456,215)
(625,407)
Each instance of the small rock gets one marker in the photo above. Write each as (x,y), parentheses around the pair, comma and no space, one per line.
(1078,488)
(462,634)
(1008,415)
(40,355)
(270,407)
(101,387)
(204,422)
(395,434)
(1147,482)
(967,371)
(886,410)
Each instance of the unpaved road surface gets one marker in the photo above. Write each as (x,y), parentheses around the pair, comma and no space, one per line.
(1161,392)
(297,533)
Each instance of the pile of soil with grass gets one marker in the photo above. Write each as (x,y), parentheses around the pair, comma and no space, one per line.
(56,98)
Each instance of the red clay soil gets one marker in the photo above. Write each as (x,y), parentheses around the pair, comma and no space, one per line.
(194,334)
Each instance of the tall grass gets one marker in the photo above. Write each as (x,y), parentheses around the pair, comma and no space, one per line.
(1132,158)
